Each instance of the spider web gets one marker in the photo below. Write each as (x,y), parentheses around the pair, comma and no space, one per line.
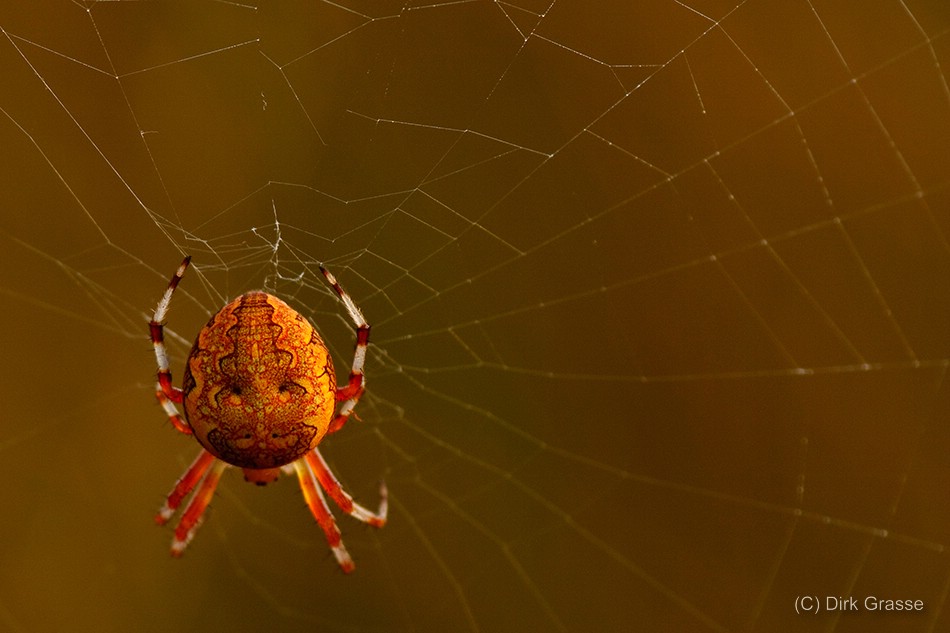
(659,294)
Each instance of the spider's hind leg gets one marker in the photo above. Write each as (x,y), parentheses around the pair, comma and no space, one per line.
(205,473)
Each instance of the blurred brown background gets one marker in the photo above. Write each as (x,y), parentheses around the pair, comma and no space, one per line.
(660,294)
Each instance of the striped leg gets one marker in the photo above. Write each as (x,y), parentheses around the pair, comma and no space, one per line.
(314,474)
(192,516)
(195,473)
(350,394)
(318,466)
(167,394)
(204,472)
(321,512)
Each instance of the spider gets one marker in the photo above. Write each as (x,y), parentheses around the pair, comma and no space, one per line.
(259,392)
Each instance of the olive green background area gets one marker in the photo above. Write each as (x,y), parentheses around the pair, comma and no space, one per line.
(660,294)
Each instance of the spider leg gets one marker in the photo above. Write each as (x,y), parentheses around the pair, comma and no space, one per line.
(196,471)
(319,467)
(166,393)
(191,517)
(350,394)
(321,512)
(171,410)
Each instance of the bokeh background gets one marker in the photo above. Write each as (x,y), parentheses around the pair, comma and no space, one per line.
(660,294)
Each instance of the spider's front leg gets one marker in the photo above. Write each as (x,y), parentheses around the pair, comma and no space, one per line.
(166,393)
(356,386)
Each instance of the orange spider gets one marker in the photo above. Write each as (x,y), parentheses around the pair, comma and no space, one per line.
(259,393)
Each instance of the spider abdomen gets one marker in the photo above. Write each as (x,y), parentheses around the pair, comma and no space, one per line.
(259,385)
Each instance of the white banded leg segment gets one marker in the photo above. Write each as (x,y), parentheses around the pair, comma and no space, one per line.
(167,404)
(161,355)
(346,409)
(174,416)
(157,333)
(162,308)
(362,328)
(356,315)
(350,394)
